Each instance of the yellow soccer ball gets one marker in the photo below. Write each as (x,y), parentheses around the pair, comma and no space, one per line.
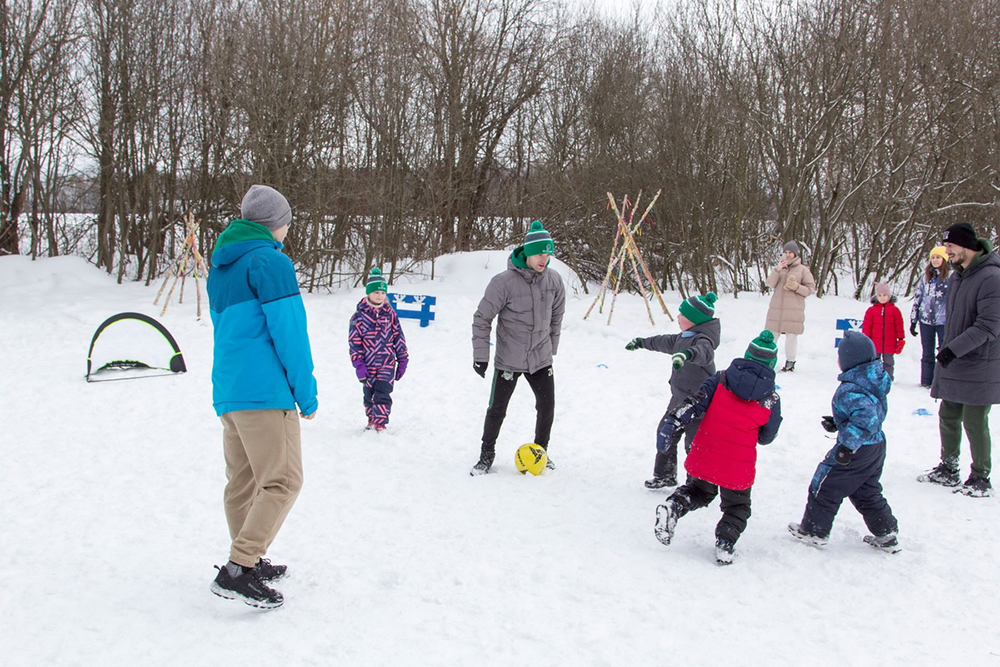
(530,458)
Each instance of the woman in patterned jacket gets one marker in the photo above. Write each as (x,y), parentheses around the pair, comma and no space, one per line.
(929,312)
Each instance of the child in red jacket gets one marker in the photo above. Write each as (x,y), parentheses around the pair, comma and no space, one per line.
(740,410)
(884,325)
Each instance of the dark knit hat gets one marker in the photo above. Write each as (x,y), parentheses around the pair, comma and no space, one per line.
(961,234)
(792,247)
(763,349)
(855,349)
(538,241)
(376,282)
(266,206)
(699,309)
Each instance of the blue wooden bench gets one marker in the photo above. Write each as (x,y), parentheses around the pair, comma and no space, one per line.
(421,311)
(847,324)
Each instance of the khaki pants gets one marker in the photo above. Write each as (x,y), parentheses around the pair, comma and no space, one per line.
(263,453)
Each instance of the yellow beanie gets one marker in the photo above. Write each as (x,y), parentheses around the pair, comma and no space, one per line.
(939,251)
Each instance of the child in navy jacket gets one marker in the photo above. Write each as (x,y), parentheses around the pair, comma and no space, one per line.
(740,410)
(378,350)
(692,355)
(853,468)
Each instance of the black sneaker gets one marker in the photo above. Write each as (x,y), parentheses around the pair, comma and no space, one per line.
(976,487)
(268,571)
(887,543)
(941,474)
(247,587)
(801,535)
(660,483)
(724,552)
(666,522)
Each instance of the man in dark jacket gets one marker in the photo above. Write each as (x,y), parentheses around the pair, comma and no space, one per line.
(528,301)
(967,377)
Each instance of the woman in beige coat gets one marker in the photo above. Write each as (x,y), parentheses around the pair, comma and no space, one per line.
(791,282)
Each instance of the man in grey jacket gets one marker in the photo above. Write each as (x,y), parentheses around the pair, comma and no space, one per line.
(528,301)
(967,377)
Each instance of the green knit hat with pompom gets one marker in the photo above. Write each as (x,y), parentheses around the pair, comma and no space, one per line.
(699,309)
(376,282)
(538,241)
(763,349)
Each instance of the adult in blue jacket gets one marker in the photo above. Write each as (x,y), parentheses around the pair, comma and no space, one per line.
(262,369)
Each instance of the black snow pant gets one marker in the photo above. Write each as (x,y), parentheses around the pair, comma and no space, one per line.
(859,481)
(697,493)
(665,464)
(542,383)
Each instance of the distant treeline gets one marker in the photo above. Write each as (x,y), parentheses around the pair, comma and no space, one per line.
(401,130)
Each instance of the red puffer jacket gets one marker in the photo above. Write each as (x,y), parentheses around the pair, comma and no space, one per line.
(884,325)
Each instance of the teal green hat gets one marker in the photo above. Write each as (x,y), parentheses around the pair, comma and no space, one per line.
(376,282)
(699,309)
(763,349)
(538,241)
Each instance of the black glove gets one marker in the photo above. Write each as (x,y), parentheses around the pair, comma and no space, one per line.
(480,367)
(913,328)
(828,424)
(634,344)
(945,357)
(843,455)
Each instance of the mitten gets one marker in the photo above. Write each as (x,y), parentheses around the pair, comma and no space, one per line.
(899,345)
(913,328)
(792,283)
(401,368)
(634,344)
(678,359)
(480,367)
(669,435)
(361,369)
(945,357)
(843,455)
(828,424)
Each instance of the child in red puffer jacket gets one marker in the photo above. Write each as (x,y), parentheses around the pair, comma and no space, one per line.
(884,325)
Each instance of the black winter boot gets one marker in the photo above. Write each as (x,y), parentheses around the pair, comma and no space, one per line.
(789,367)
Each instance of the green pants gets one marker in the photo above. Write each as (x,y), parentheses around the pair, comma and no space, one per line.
(976,420)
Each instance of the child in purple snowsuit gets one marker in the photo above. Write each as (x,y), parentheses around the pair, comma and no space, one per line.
(378,350)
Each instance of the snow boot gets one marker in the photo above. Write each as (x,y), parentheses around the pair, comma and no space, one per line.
(789,367)
(660,483)
(666,522)
(267,571)
(724,551)
(942,474)
(245,586)
(801,535)
(976,487)
(887,543)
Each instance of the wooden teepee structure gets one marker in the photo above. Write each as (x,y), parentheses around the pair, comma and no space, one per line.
(626,251)
(189,261)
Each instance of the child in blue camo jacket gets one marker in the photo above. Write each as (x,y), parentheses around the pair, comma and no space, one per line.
(853,468)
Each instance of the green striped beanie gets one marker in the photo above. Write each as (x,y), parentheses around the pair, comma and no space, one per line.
(763,349)
(699,309)
(538,241)
(376,282)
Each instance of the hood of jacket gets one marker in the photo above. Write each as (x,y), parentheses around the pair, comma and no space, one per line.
(869,376)
(711,330)
(239,238)
(749,379)
(984,256)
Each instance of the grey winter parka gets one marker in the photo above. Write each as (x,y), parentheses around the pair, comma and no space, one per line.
(528,307)
(687,380)
(972,332)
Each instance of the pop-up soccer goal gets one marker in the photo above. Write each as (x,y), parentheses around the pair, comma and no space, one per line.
(132,345)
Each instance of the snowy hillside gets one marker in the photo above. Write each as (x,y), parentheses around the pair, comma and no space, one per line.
(112,506)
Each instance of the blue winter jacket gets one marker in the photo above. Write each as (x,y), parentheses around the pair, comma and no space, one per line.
(860,406)
(262,355)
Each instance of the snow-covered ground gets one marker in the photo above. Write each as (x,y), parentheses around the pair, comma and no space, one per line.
(112,512)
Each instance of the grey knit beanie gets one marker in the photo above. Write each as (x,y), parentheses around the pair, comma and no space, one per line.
(855,349)
(793,247)
(266,206)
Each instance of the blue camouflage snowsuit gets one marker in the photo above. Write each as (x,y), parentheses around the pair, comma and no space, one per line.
(859,408)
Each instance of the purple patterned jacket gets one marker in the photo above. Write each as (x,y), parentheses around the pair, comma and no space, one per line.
(376,338)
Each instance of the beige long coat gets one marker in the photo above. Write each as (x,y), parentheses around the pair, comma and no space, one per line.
(787,310)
